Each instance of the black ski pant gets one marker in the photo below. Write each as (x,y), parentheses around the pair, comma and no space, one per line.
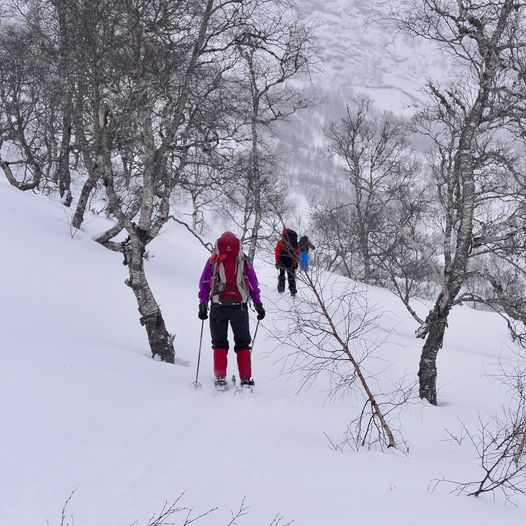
(237,316)
(291,276)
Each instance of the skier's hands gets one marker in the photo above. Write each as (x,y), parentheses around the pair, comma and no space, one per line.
(260,310)
(203,311)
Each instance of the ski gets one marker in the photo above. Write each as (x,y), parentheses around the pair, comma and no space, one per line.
(222,385)
(246,387)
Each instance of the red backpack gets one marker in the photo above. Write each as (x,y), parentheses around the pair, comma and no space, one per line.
(229,283)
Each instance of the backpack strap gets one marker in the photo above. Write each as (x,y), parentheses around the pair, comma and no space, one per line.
(241,278)
(214,261)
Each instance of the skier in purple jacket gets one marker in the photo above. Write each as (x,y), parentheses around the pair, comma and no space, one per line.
(229,280)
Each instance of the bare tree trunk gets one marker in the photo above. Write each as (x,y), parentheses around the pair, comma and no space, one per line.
(65,65)
(256,187)
(463,171)
(64,175)
(87,189)
(255,175)
(160,340)
(363,236)
(150,166)
(344,343)
(427,373)
(455,275)
(194,212)
(93,168)
(24,186)
(4,165)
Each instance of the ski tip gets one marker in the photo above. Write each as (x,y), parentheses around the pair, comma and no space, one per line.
(244,389)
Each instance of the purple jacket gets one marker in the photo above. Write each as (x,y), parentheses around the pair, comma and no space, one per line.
(206,280)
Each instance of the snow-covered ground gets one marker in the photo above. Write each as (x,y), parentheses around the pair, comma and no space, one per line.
(84,407)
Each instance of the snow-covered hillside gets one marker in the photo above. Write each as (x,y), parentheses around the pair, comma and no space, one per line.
(357,52)
(360,51)
(85,408)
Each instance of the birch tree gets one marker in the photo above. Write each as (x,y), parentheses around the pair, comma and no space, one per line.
(36,90)
(25,109)
(475,124)
(157,98)
(378,160)
(144,91)
(476,160)
(330,333)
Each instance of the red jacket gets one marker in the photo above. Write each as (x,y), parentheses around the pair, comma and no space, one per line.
(283,256)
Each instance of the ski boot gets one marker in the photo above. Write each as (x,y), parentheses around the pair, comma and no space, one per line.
(221,383)
(247,384)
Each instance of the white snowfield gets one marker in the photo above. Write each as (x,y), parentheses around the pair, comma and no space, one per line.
(84,407)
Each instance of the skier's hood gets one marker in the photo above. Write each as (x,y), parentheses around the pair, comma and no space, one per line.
(227,245)
(226,237)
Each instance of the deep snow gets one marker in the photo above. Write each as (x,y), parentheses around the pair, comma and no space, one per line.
(85,408)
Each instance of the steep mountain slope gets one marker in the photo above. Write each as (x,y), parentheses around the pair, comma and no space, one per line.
(84,407)
(359,50)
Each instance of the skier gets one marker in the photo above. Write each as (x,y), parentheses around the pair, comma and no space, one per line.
(228,280)
(287,255)
(305,246)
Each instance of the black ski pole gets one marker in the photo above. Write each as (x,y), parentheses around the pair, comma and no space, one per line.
(196,384)
(254,338)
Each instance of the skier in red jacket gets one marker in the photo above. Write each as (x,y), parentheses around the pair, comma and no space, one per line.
(287,255)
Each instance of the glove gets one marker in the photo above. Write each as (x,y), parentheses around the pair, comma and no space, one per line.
(260,310)
(203,311)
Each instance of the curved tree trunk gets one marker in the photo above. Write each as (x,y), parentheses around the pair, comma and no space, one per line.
(161,341)
(93,168)
(24,186)
(85,193)
(436,321)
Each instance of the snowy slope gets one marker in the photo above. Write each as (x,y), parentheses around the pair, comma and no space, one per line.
(359,51)
(84,408)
